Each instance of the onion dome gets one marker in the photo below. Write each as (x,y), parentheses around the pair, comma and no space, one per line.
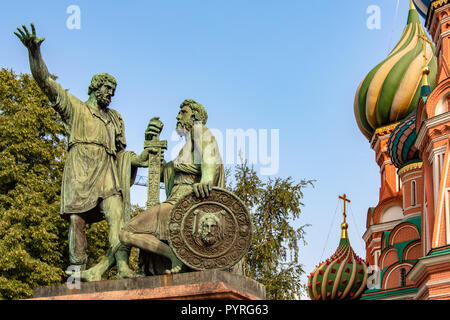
(401,147)
(422,6)
(341,277)
(392,89)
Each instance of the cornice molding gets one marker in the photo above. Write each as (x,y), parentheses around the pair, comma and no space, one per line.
(410,167)
(386,226)
(441,36)
(429,124)
(436,7)
(431,284)
(382,133)
(436,151)
(419,268)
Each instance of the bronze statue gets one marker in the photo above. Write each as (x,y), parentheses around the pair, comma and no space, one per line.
(200,226)
(197,168)
(98,171)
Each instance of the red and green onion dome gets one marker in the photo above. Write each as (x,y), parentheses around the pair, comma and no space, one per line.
(392,89)
(401,147)
(341,277)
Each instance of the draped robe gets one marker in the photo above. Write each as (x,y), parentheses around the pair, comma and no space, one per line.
(97,165)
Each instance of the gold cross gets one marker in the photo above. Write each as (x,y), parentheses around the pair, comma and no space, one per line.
(344,197)
(344,225)
(424,53)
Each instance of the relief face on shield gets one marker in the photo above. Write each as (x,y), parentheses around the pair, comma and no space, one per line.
(210,227)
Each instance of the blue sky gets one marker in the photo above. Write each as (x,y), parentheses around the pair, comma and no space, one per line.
(288,65)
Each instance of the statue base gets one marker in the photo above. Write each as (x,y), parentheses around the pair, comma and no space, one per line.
(204,285)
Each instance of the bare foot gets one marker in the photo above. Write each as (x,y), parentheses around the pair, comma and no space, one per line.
(177,265)
(125,272)
(89,276)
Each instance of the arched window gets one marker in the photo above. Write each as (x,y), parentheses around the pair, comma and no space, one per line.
(413,194)
(402,277)
(399,183)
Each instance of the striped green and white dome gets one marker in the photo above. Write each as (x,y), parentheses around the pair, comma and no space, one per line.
(392,89)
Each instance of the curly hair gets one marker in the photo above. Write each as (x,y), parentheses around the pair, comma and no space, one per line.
(99,79)
(199,111)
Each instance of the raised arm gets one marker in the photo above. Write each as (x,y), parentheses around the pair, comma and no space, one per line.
(37,65)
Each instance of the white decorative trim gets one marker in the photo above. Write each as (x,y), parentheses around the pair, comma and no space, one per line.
(433,20)
(420,266)
(377,144)
(384,150)
(437,167)
(447,223)
(410,173)
(372,140)
(430,284)
(394,269)
(439,295)
(426,233)
(384,258)
(412,215)
(438,150)
(428,124)
(441,37)
(377,255)
(412,207)
(410,248)
(436,34)
(404,198)
(386,226)
(414,168)
(436,17)
(408,296)
(372,243)
(420,291)
(380,134)
(384,164)
(403,227)
(441,211)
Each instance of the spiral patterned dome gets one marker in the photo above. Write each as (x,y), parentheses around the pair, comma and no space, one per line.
(401,147)
(422,6)
(341,277)
(392,89)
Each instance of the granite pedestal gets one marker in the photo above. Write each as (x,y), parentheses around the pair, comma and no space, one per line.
(204,285)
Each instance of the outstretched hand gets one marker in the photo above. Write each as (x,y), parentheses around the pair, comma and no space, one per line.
(29,40)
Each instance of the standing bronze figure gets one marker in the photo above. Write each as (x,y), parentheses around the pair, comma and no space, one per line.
(98,171)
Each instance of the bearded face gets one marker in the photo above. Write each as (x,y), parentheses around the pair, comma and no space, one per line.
(104,95)
(185,121)
(209,230)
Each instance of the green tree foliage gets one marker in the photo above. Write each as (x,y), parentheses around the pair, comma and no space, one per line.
(33,237)
(273,256)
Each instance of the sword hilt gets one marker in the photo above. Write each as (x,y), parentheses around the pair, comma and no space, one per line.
(152,141)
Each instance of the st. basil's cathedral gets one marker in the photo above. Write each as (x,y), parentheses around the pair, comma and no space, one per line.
(402,107)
